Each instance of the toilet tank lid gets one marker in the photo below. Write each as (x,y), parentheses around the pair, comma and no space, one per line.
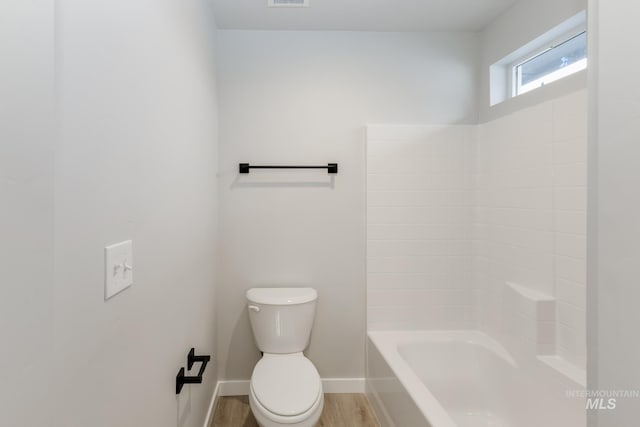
(281,296)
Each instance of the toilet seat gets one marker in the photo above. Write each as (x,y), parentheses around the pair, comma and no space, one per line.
(265,418)
(286,385)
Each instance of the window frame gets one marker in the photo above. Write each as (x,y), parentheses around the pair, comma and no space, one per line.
(512,73)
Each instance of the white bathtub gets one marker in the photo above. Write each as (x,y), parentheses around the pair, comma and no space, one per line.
(463,379)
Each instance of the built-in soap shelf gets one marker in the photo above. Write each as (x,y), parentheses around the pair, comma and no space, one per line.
(531,316)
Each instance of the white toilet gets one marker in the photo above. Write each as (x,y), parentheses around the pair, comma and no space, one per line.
(285,386)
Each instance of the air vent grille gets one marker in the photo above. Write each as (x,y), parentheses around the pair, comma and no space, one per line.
(288,3)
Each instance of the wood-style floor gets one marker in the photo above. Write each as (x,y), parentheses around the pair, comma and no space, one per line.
(340,410)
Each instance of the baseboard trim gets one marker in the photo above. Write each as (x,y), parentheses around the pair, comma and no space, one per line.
(343,385)
(212,405)
(234,388)
(329,385)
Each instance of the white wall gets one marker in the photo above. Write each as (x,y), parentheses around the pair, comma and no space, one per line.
(135,158)
(26,211)
(518,25)
(419,212)
(305,97)
(614,234)
(530,220)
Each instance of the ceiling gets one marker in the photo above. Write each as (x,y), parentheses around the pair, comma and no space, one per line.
(361,15)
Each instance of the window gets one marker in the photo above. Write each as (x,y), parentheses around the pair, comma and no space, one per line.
(553,63)
(558,53)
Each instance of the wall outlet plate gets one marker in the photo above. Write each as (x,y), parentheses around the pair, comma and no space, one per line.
(118,268)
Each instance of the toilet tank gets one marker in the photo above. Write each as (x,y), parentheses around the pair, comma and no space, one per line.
(281,318)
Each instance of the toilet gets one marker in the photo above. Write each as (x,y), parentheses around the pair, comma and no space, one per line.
(285,386)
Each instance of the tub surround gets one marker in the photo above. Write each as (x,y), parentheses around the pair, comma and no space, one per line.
(483,228)
(419,212)
(529,222)
(462,218)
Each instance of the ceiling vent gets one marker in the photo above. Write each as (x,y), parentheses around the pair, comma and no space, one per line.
(288,3)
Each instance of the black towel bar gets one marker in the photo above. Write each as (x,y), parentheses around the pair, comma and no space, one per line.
(330,167)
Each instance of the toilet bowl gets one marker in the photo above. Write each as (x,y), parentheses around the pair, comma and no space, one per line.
(285,388)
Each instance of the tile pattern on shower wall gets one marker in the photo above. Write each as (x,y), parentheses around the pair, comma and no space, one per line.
(570,207)
(419,196)
(513,217)
(529,224)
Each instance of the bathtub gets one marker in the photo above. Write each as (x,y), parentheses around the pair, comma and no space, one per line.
(464,379)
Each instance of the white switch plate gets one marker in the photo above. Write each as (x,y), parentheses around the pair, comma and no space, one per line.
(118,268)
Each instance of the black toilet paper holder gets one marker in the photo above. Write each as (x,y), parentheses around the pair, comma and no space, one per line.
(182,379)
